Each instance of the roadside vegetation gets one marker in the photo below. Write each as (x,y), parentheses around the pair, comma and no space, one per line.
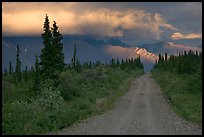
(52,95)
(180,78)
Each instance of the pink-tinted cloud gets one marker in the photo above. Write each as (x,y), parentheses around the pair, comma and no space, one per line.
(28,18)
(178,35)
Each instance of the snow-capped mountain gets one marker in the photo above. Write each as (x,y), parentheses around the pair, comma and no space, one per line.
(148,55)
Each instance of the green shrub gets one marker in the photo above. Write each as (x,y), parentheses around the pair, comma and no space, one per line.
(40,115)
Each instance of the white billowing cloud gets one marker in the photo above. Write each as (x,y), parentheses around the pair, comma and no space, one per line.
(178,35)
(28,18)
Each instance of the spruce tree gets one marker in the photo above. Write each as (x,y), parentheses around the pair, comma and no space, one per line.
(52,57)
(58,59)
(122,64)
(18,66)
(74,57)
(112,63)
(47,56)
(165,59)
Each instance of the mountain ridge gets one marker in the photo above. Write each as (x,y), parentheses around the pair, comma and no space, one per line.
(89,48)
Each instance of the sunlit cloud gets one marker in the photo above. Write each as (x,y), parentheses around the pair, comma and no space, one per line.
(121,52)
(28,18)
(178,35)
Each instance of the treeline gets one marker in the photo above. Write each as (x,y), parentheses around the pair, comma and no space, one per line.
(131,63)
(185,63)
(37,73)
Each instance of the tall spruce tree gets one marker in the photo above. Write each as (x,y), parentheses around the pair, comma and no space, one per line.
(57,48)
(46,52)
(52,57)
(18,66)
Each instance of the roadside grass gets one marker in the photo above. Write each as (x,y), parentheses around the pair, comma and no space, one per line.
(79,96)
(184,93)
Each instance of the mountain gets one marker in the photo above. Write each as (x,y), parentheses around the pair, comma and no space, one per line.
(89,48)
(117,42)
(169,47)
(148,55)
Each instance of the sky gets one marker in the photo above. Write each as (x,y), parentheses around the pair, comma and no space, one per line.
(127,20)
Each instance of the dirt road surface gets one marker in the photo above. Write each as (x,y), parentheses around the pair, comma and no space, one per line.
(141,111)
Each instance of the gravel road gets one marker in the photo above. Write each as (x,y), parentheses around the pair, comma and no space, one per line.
(141,111)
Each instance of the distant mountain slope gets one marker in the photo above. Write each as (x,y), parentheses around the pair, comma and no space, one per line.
(88,49)
(169,47)
(189,42)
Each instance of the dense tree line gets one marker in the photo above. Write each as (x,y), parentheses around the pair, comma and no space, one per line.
(185,63)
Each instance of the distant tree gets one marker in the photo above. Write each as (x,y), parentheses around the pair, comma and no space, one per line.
(196,53)
(117,63)
(74,57)
(165,58)
(185,53)
(18,66)
(122,64)
(90,65)
(112,63)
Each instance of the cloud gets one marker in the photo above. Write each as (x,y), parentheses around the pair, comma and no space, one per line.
(72,18)
(178,35)
(120,52)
